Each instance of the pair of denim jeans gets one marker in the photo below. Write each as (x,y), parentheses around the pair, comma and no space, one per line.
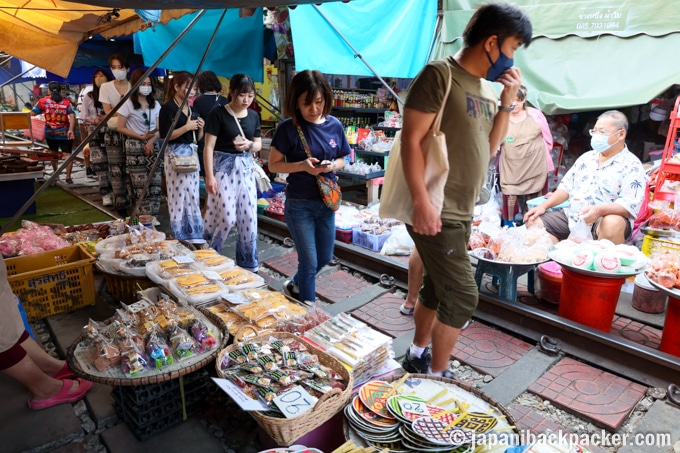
(312,226)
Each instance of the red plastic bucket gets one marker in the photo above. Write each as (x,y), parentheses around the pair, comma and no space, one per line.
(549,282)
(588,299)
(670,337)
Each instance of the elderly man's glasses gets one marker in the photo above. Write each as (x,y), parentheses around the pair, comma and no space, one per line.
(602,132)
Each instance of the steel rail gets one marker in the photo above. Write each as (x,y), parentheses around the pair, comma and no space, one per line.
(618,355)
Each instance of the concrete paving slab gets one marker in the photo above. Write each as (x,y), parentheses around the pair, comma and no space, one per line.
(340,285)
(625,308)
(100,405)
(357,300)
(488,350)
(189,436)
(383,314)
(654,433)
(66,327)
(601,397)
(530,419)
(516,379)
(636,331)
(24,429)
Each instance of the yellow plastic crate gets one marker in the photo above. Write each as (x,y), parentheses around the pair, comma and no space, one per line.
(53,282)
(651,245)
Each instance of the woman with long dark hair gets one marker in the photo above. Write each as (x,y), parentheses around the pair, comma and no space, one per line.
(210,87)
(60,123)
(91,114)
(186,221)
(232,134)
(138,122)
(310,222)
(110,94)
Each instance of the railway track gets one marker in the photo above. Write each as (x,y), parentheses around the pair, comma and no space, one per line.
(553,333)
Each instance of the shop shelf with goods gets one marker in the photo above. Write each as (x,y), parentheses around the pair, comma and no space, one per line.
(669,169)
(361,108)
(372,179)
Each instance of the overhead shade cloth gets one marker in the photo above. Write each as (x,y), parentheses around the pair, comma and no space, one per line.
(196,4)
(47,33)
(587,54)
(393,37)
(238,46)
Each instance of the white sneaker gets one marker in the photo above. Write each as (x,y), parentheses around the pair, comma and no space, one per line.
(107,200)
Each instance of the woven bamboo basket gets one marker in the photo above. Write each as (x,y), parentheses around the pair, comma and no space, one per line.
(285,431)
(124,287)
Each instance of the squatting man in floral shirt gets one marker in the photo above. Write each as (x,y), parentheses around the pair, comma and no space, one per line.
(605,187)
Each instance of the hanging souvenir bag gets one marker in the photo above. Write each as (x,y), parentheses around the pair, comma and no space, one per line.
(326,182)
(395,200)
(184,158)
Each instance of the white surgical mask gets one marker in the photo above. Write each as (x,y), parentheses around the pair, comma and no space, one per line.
(600,143)
(145,90)
(119,74)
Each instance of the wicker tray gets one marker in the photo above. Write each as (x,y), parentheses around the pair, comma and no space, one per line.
(351,435)
(188,365)
(285,431)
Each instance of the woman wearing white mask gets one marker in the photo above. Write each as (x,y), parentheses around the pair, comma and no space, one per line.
(137,121)
(91,114)
(110,94)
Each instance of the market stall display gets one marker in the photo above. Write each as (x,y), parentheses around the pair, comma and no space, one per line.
(359,347)
(663,274)
(299,386)
(249,312)
(425,413)
(149,341)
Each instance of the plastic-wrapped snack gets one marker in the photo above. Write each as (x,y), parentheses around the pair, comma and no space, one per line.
(281,377)
(252,368)
(319,385)
(260,381)
(158,351)
(316,369)
(280,346)
(235,377)
(181,342)
(290,359)
(237,356)
(133,363)
(268,363)
(267,395)
(203,336)
(104,353)
(250,350)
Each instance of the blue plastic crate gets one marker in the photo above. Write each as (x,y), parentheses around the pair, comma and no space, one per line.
(369,241)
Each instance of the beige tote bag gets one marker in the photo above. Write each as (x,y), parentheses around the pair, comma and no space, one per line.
(395,201)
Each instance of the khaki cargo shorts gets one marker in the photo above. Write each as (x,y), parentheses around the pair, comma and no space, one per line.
(448,282)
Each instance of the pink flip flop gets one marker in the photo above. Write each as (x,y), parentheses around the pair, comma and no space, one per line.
(64,373)
(63,396)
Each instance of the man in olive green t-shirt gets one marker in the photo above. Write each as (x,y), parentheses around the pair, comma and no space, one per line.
(475,124)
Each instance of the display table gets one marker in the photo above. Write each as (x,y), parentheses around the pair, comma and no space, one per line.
(15,190)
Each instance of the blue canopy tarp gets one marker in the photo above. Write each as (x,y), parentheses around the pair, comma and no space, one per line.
(238,46)
(394,37)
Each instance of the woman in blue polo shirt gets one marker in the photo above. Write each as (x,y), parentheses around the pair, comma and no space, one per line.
(310,222)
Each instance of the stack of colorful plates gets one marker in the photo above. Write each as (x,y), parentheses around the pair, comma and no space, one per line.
(386,419)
